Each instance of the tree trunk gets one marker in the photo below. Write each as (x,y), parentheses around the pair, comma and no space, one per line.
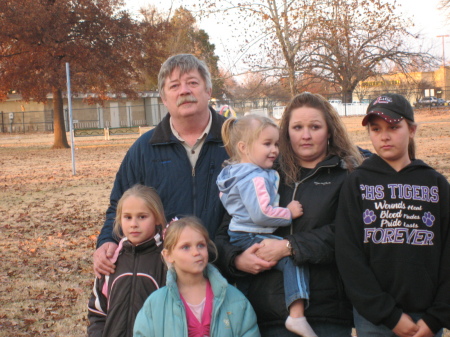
(347,96)
(292,82)
(60,140)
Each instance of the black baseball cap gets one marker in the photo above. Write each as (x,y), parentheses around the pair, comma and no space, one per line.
(391,107)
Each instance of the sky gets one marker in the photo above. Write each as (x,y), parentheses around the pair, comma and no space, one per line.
(429,21)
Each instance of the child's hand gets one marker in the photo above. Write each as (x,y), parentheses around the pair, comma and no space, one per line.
(296,209)
(424,330)
(406,327)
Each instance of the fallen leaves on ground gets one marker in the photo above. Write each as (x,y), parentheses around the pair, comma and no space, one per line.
(50,220)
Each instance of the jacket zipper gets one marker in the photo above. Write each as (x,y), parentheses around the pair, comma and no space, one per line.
(194,190)
(297,184)
(208,183)
(194,193)
(133,284)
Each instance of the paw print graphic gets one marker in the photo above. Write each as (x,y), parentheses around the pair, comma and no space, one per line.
(369,216)
(428,219)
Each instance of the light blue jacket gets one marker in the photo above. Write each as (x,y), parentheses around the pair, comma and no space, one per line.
(250,195)
(163,313)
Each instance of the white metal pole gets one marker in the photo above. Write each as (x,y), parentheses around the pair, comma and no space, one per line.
(69,100)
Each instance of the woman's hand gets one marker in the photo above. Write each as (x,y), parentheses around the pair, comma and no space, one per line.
(273,250)
(406,327)
(248,262)
(424,330)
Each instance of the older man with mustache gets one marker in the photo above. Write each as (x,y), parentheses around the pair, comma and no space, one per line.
(181,157)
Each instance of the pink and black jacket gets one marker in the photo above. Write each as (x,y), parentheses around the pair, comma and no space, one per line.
(116,299)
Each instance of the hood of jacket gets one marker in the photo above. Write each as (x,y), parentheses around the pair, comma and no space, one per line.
(235,174)
(218,283)
(377,165)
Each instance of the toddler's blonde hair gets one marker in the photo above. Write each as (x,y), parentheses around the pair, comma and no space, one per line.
(246,129)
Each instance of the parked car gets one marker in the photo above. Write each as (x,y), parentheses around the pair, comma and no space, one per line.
(442,101)
(427,101)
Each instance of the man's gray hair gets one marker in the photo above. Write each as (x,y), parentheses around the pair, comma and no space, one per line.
(185,63)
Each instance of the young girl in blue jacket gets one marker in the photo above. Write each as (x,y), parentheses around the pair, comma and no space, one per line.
(197,300)
(393,232)
(117,298)
(249,192)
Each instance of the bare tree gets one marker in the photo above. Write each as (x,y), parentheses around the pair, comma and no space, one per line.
(281,32)
(340,41)
(444,5)
(359,40)
(362,90)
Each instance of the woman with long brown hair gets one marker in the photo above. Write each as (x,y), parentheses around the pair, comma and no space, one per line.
(316,155)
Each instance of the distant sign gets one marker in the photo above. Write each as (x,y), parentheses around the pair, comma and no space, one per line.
(278,112)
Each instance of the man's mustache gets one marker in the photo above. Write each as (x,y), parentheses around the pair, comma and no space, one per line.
(186,99)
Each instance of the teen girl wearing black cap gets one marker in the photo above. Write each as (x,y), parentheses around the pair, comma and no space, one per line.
(393,232)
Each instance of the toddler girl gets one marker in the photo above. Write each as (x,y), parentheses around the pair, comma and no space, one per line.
(249,192)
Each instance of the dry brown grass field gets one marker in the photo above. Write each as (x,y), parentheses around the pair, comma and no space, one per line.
(50,218)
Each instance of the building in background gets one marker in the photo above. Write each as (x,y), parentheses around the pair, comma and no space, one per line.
(413,85)
(19,116)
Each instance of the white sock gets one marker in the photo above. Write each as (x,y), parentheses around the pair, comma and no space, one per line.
(300,326)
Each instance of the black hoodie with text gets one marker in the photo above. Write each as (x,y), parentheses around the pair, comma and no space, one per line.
(393,242)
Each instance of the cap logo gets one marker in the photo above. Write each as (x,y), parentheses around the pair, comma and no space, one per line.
(383,100)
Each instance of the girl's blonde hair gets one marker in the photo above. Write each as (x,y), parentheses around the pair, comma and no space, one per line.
(246,129)
(152,201)
(339,141)
(175,228)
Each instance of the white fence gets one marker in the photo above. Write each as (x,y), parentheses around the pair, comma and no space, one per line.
(344,109)
(350,109)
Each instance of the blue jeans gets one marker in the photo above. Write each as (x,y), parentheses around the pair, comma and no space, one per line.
(364,328)
(321,329)
(296,279)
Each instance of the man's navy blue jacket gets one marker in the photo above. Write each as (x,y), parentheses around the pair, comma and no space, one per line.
(159,160)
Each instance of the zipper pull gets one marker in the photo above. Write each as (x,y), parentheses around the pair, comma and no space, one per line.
(296,184)
(193,171)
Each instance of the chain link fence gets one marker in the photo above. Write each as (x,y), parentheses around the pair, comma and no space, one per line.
(96,117)
(127,115)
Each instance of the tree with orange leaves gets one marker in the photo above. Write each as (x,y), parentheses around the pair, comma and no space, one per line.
(99,40)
